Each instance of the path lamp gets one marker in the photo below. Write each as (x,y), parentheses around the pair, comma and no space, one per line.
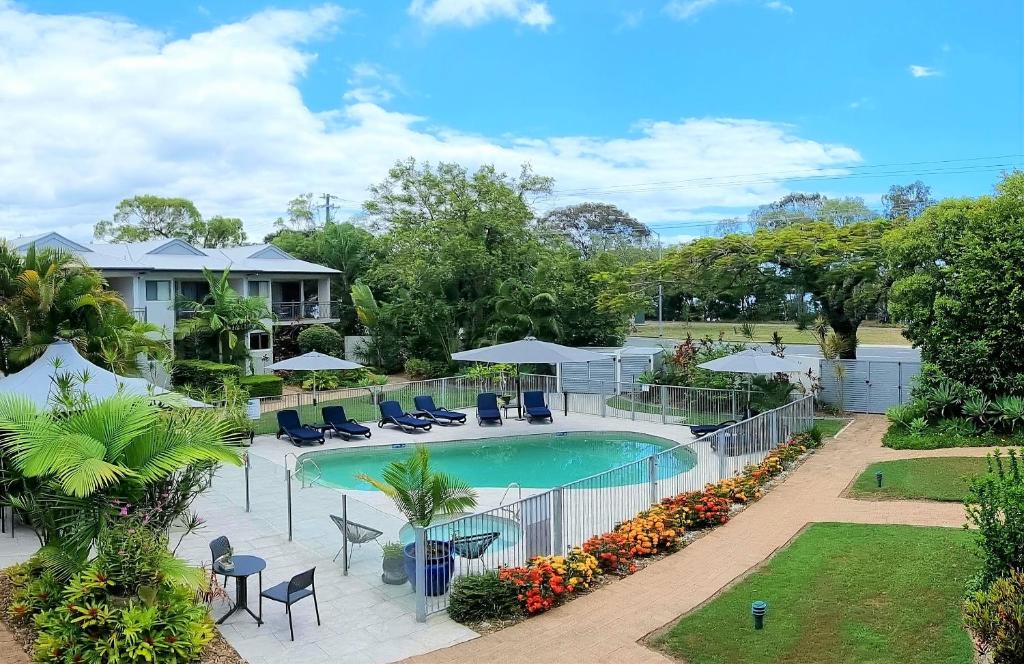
(758,609)
(878,479)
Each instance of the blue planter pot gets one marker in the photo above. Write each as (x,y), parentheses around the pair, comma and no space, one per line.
(439,567)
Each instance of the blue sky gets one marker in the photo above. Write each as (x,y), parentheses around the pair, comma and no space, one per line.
(598,94)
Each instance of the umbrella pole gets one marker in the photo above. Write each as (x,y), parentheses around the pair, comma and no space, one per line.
(314,388)
(519,392)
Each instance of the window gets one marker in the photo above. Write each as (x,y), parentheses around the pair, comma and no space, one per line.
(259,341)
(259,289)
(158,291)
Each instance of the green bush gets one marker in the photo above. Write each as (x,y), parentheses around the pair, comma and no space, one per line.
(995,506)
(336,380)
(418,369)
(267,385)
(995,617)
(321,339)
(203,374)
(918,434)
(130,554)
(476,598)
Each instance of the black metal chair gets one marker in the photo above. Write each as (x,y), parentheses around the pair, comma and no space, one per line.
(473,547)
(299,587)
(218,548)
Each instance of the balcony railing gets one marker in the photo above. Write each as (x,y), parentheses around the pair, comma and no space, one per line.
(140,314)
(295,311)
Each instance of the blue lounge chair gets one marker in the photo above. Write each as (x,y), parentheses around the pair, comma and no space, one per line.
(425,407)
(334,417)
(699,430)
(536,409)
(391,413)
(288,425)
(487,408)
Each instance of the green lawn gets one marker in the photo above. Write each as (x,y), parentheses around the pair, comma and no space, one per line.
(867,334)
(829,426)
(920,479)
(842,594)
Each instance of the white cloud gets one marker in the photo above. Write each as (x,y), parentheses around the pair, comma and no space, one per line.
(371,83)
(686,9)
(94,109)
(920,71)
(778,6)
(631,19)
(468,13)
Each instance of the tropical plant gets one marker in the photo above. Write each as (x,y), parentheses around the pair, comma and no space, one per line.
(903,414)
(995,617)
(225,314)
(65,470)
(478,597)
(945,398)
(520,312)
(978,409)
(419,492)
(995,507)
(1009,411)
(50,294)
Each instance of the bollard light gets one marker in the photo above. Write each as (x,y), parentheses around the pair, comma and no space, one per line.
(878,479)
(758,609)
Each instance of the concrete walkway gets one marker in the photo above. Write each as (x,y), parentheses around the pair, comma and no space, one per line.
(606,626)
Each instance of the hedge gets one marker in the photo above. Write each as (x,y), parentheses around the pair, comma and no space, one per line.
(262,386)
(203,374)
(321,339)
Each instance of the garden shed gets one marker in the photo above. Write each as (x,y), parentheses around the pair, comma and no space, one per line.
(618,373)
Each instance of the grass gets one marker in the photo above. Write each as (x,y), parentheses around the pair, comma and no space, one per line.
(830,426)
(932,438)
(867,334)
(920,479)
(842,593)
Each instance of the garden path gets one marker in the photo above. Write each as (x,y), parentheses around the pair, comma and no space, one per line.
(607,626)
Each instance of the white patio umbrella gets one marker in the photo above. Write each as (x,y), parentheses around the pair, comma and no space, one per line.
(527,351)
(314,362)
(38,381)
(751,362)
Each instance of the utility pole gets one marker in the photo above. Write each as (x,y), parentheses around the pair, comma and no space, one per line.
(661,291)
(327,207)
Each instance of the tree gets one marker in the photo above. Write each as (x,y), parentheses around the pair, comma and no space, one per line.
(520,312)
(958,277)
(907,201)
(223,313)
(594,227)
(50,295)
(452,238)
(797,208)
(148,217)
(301,214)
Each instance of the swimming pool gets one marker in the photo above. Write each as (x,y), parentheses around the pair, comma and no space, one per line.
(537,461)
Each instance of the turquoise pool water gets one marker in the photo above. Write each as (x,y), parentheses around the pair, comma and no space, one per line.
(538,461)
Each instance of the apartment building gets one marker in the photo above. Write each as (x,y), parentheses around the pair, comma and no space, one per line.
(151,275)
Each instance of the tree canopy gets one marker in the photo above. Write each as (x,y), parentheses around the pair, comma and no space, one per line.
(958,285)
(142,218)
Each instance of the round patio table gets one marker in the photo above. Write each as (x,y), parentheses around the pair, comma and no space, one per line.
(245,566)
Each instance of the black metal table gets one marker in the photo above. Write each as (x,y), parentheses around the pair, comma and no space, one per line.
(245,566)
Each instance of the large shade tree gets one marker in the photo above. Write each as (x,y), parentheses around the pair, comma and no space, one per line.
(147,217)
(959,286)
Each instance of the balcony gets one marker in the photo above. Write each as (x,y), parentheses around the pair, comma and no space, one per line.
(139,314)
(301,312)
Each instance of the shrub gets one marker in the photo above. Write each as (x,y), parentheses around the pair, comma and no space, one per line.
(995,506)
(546,580)
(130,554)
(203,374)
(34,590)
(333,380)
(698,509)
(266,385)
(650,532)
(996,619)
(475,598)
(903,414)
(612,552)
(321,339)
(418,369)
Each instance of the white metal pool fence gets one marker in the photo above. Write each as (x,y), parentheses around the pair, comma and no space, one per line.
(635,401)
(553,521)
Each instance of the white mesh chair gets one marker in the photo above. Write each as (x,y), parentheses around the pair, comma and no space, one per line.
(356,533)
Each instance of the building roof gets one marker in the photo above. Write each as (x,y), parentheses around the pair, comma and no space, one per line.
(172,254)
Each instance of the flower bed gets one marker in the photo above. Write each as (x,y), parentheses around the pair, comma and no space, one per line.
(544,582)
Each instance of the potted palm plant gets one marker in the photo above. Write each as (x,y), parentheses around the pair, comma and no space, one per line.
(393,572)
(421,494)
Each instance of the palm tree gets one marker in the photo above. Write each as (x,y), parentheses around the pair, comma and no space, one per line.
(419,492)
(224,313)
(518,313)
(65,468)
(50,294)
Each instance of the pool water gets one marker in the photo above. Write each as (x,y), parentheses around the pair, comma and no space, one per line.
(539,461)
